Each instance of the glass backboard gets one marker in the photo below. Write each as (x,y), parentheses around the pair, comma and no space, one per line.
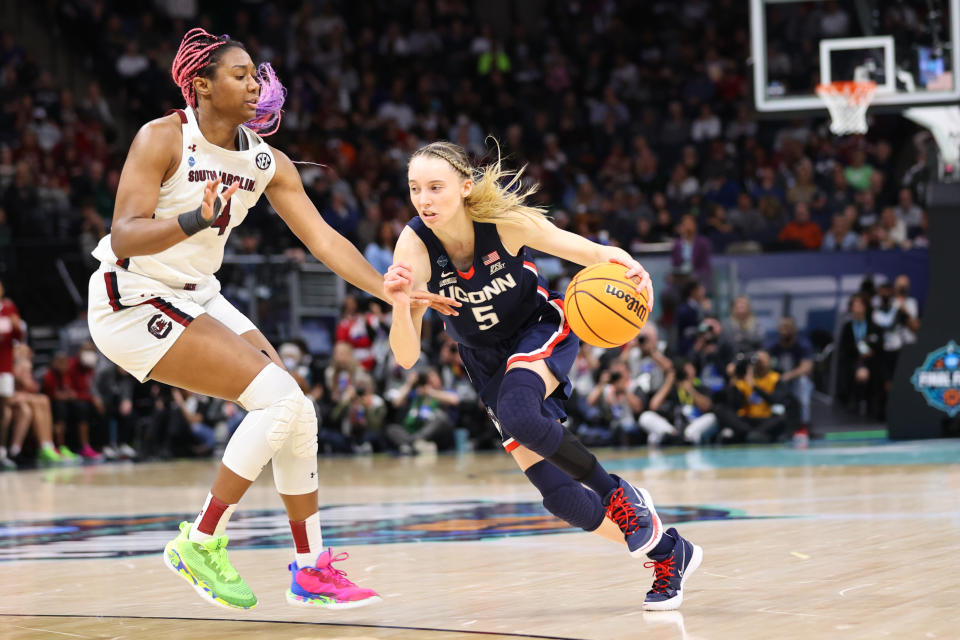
(907,47)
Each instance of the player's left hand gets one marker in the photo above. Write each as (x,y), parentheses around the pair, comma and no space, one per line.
(639,275)
(438,303)
(397,285)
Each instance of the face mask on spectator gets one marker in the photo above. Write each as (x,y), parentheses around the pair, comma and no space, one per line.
(88,359)
(290,363)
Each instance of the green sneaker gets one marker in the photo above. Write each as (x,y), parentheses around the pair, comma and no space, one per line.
(66,455)
(48,455)
(206,567)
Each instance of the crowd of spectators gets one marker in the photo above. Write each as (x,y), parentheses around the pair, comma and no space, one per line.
(638,136)
(622,142)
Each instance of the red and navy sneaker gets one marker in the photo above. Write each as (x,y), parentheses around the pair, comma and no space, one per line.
(632,509)
(671,573)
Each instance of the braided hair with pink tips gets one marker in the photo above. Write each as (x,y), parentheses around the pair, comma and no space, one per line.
(198,55)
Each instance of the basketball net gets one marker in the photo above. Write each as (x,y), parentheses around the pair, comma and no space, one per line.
(847,103)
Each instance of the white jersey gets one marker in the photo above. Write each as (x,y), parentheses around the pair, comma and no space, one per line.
(198,257)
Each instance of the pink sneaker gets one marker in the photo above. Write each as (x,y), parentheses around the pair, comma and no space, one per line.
(324,586)
(87,453)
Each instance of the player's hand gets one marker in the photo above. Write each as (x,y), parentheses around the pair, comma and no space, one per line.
(210,207)
(441,304)
(639,275)
(398,287)
(398,283)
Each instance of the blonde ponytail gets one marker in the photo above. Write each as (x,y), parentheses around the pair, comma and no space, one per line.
(489,200)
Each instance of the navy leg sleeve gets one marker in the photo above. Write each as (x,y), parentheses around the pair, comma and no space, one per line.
(566,498)
(519,409)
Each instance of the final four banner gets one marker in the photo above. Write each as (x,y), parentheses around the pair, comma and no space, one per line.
(938,379)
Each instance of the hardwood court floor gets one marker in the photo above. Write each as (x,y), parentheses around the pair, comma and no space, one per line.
(832,542)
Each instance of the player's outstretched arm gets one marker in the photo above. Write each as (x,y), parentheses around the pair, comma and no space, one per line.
(287,196)
(411,265)
(153,157)
(544,236)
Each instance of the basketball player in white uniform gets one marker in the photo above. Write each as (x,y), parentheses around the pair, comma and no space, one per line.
(155,308)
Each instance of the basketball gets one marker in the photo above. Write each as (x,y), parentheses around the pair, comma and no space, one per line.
(603,307)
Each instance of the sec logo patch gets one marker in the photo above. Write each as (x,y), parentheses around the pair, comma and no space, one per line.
(263,161)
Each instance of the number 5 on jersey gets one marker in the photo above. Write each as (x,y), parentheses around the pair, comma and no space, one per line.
(484,319)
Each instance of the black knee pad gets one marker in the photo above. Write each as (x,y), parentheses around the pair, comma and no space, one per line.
(572,457)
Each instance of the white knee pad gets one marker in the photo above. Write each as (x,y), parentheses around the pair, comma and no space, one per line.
(295,465)
(273,401)
(304,436)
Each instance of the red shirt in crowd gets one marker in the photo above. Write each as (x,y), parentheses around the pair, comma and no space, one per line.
(55,383)
(10,330)
(806,234)
(80,379)
(356,330)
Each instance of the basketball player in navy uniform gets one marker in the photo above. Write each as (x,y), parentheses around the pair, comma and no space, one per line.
(155,307)
(469,243)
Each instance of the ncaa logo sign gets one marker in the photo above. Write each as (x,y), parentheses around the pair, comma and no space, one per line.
(938,379)
(263,161)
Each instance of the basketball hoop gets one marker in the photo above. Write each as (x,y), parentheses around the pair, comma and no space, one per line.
(847,103)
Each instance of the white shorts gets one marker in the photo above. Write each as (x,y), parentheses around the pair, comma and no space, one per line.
(6,387)
(134,319)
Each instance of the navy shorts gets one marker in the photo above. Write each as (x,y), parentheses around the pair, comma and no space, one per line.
(548,338)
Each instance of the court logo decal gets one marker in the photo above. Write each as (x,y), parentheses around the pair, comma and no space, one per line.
(159,327)
(938,379)
(349,524)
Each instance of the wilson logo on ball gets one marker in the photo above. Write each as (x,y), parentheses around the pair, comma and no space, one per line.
(634,304)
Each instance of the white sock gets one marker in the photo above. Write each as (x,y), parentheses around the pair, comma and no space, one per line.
(47,445)
(308,540)
(219,525)
(224,519)
(14,450)
(3,452)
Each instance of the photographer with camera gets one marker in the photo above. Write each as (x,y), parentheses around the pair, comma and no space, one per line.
(616,405)
(427,413)
(647,364)
(757,406)
(682,405)
(360,415)
(896,316)
(710,357)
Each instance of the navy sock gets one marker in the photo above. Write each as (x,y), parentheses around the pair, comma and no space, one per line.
(600,481)
(663,548)
(566,498)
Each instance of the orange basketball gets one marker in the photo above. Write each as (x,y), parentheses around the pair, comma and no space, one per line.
(603,307)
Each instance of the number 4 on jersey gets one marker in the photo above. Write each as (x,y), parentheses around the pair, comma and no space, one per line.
(223,220)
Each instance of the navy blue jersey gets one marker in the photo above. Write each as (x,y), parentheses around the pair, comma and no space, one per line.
(500,292)
(508,315)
